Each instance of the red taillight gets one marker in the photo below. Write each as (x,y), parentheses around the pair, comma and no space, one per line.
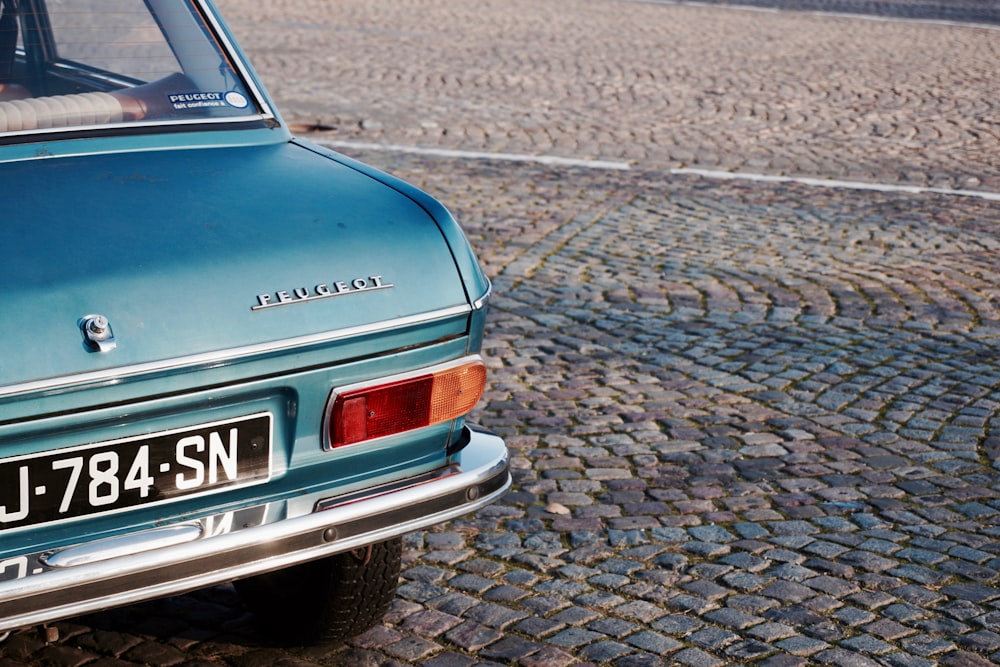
(401,404)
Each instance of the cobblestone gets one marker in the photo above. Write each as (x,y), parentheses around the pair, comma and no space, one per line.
(846,98)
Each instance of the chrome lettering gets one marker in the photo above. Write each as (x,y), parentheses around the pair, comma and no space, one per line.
(320,291)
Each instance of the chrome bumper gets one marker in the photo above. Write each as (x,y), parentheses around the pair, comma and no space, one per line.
(188,556)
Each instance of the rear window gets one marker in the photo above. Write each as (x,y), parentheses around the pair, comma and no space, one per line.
(72,64)
(120,36)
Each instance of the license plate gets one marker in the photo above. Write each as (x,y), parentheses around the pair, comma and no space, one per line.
(119,474)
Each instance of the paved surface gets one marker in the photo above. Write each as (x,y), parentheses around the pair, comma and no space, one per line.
(655,84)
(751,423)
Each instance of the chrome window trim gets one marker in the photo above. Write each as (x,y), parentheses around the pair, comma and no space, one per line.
(256,118)
(219,357)
(237,62)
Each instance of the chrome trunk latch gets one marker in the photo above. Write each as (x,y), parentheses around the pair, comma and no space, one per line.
(98,334)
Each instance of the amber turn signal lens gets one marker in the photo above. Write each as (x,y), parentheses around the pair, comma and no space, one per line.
(400,404)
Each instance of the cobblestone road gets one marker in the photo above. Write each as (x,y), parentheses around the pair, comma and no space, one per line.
(655,84)
(751,423)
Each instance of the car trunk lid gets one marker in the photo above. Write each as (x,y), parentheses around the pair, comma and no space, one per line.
(194,252)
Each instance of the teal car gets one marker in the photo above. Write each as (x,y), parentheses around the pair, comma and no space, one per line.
(240,356)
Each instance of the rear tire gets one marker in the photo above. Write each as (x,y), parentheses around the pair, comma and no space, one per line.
(331,599)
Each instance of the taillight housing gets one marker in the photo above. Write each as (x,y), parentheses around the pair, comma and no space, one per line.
(400,403)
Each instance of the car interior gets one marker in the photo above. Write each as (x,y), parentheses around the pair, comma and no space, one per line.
(59,68)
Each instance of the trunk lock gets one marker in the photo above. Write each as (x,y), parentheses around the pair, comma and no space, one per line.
(98,334)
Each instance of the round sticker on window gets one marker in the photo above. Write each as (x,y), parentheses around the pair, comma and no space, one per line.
(235,99)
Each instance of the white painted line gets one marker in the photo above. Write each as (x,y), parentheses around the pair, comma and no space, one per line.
(843,15)
(553,160)
(473,155)
(831,183)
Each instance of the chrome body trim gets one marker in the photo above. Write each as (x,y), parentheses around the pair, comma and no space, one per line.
(130,569)
(256,118)
(222,356)
(481,302)
(123,545)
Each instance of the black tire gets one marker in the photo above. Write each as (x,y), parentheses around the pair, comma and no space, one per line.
(331,599)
